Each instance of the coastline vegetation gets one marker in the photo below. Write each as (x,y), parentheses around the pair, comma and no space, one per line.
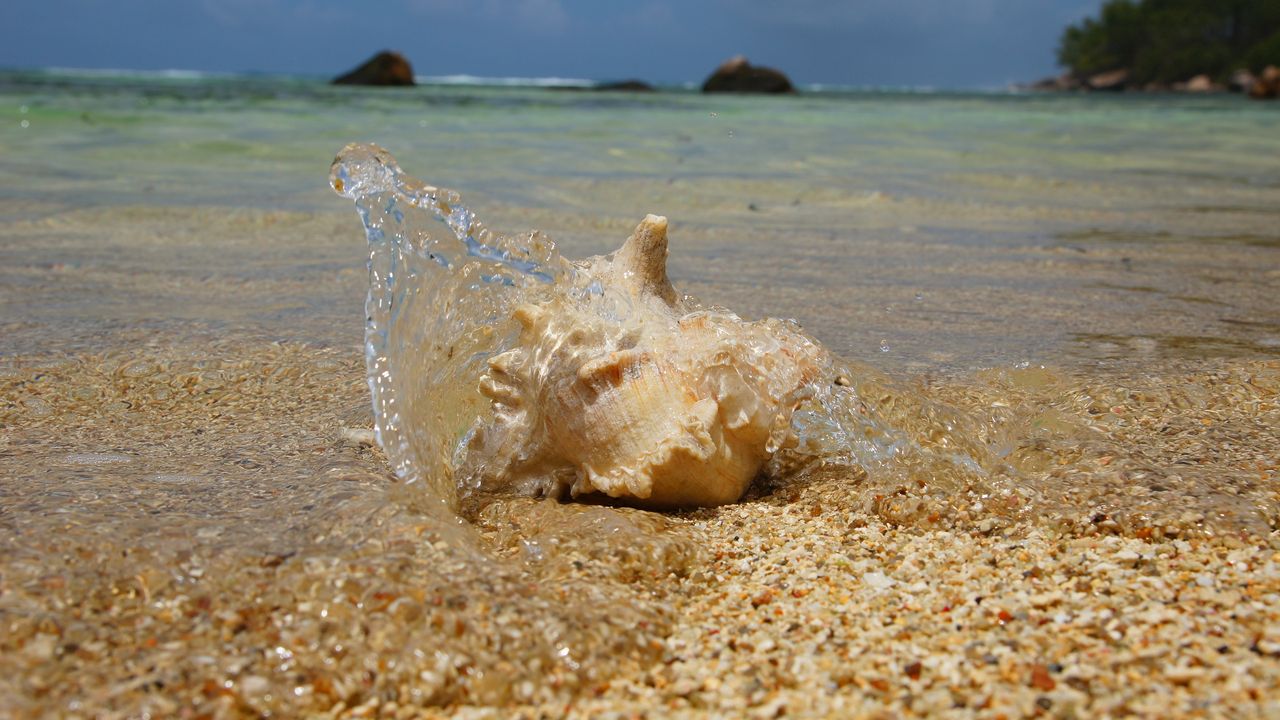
(1161,42)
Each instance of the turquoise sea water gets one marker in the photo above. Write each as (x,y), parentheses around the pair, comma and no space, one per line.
(859,197)
(1078,293)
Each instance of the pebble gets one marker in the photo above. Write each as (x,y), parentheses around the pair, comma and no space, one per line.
(878,580)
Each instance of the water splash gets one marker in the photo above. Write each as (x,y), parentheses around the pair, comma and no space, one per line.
(442,291)
(439,305)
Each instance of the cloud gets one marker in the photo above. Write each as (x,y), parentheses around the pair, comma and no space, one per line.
(241,14)
(437,7)
(546,17)
(863,14)
(651,16)
(232,13)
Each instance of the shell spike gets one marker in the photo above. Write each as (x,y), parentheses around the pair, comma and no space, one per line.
(641,262)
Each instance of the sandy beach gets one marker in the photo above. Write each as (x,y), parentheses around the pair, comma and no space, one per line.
(201,530)
(817,597)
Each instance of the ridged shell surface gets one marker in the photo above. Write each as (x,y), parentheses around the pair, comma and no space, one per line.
(626,392)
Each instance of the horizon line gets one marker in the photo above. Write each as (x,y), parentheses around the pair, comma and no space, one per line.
(467,79)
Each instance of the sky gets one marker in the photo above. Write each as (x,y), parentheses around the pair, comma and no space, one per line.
(935,43)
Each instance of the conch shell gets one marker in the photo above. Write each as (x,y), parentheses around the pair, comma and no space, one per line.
(629,391)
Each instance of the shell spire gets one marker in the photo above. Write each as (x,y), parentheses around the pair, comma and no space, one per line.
(640,264)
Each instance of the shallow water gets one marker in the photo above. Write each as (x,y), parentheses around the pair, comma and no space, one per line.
(1076,293)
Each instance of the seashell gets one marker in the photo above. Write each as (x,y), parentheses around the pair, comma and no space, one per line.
(627,390)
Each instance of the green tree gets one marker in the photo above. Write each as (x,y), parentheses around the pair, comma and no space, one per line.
(1265,52)
(1108,43)
(1165,41)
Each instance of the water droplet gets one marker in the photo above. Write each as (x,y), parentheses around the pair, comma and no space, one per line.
(422,123)
(23,109)
(884,346)
(730,133)
(25,124)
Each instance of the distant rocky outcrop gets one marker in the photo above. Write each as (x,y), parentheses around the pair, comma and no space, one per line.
(737,75)
(625,86)
(1241,81)
(385,68)
(607,86)
(1110,81)
(1201,83)
(1262,86)
(1060,83)
(1267,85)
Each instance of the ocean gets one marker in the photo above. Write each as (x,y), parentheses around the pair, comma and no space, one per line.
(1065,309)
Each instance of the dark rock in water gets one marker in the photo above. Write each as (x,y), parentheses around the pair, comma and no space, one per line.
(1061,83)
(625,86)
(385,68)
(1201,83)
(1241,81)
(1114,81)
(738,75)
(618,86)
(1267,86)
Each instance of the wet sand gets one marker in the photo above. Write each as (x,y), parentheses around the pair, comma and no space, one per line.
(194,525)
